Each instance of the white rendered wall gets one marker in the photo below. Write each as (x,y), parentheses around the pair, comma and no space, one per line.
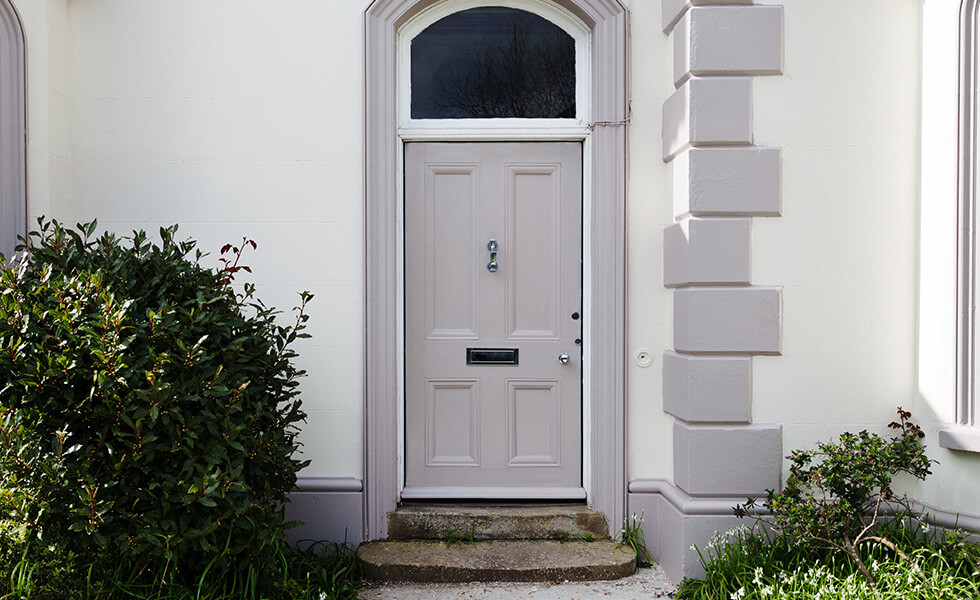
(46,27)
(846,112)
(236,118)
(649,210)
(869,306)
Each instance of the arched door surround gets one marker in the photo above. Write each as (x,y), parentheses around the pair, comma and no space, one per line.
(603,133)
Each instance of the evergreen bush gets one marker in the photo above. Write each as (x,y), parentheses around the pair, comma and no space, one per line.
(835,496)
(148,411)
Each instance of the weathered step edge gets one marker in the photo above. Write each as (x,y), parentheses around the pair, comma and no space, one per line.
(514,561)
(536,523)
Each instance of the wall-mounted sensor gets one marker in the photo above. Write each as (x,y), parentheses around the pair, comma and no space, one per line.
(643,357)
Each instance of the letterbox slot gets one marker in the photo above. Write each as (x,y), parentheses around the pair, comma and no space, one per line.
(491,356)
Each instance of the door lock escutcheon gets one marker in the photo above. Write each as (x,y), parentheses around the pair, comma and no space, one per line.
(492,249)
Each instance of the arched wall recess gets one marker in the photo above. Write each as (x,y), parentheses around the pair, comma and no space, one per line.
(13,129)
(605,191)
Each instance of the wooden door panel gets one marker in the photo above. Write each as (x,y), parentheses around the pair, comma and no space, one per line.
(533,231)
(451,215)
(452,431)
(534,423)
(498,430)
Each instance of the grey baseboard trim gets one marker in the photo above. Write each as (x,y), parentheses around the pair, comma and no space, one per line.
(329,484)
(716,506)
(686,504)
(328,508)
(948,519)
(674,522)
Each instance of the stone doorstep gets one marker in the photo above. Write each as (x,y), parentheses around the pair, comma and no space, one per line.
(548,522)
(496,560)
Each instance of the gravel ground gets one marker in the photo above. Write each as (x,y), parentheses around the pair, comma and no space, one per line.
(646,584)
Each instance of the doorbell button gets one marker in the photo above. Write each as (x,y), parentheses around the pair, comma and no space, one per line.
(643,358)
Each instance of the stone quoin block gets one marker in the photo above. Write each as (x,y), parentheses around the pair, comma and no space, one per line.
(728,181)
(673,10)
(728,40)
(712,250)
(708,388)
(733,460)
(708,110)
(738,320)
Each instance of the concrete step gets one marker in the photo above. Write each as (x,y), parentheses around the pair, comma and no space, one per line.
(496,560)
(560,523)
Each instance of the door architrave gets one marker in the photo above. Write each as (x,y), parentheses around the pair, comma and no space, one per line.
(604,291)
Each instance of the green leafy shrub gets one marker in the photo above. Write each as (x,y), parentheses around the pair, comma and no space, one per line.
(38,571)
(834,497)
(756,564)
(147,410)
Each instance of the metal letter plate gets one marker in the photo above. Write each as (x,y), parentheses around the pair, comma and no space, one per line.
(491,356)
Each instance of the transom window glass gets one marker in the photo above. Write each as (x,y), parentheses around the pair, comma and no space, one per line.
(493,62)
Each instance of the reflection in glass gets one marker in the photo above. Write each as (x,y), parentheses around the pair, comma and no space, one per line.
(493,62)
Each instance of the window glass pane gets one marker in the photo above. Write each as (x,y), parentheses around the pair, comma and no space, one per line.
(493,62)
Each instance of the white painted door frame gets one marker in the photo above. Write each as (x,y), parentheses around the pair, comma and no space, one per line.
(604,292)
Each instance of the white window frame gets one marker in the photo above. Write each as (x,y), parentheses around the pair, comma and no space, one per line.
(511,128)
(964,434)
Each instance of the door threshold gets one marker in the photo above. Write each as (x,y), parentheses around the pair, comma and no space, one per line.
(521,494)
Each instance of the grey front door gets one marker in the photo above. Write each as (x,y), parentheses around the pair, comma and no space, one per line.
(493,363)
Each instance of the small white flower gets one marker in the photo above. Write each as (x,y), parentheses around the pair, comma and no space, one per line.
(924,527)
(768,590)
(739,594)
(874,566)
(758,576)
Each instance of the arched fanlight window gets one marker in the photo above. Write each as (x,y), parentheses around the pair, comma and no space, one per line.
(493,62)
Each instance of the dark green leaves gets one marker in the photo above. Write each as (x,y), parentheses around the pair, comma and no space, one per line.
(129,376)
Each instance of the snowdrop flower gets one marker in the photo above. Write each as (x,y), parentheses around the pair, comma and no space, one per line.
(924,527)
(758,576)
(739,594)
